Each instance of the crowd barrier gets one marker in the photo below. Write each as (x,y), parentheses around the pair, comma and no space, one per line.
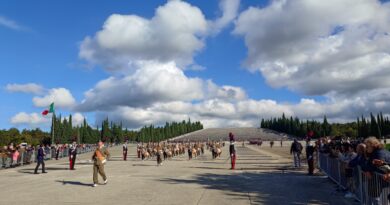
(29,156)
(366,189)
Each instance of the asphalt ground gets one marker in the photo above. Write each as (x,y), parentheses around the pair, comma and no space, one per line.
(263,176)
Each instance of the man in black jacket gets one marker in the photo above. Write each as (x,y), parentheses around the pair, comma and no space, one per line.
(40,159)
(296,150)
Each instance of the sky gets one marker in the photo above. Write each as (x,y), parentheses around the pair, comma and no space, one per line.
(226,63)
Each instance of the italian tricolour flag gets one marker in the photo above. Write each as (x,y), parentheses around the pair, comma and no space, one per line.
(50,110)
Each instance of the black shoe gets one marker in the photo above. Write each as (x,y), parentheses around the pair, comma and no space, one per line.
(44,172)
(35,172)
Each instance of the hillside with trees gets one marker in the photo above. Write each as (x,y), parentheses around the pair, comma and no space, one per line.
(378,126)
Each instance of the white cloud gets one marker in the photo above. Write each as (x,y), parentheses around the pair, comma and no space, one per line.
(317,48)
(247,112)
(151,83)
(11,24)
(224,92)
(229,9)
(31,120)
(77,119)
(343,57)
(173,34)
(25,88)
(61,97)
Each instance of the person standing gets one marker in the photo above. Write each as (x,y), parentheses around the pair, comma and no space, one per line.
(72,155)
(296,150)
(15,156)
(189,152)
(158,154)
(57,148)
(310,156)
(124,148)
(40,159)
(99,158)
(232,151)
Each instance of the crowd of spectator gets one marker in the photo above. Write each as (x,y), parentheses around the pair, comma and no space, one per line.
(17,155)
(367,157)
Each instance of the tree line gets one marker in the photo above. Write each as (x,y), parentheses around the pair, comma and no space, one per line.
(378,126)
(109,131)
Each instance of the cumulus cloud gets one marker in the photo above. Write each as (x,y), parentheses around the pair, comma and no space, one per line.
(229,9)
(247,112)
(25,88)
(31,120)
(61,97)
(225,92)
(212,113)
(77,119)
(151,83)
(344,57)
(173,34)
(317,48)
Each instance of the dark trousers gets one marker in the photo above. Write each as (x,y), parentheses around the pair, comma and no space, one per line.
(310,163)
(39,162)
(125,155)
(57,153)
(159,160)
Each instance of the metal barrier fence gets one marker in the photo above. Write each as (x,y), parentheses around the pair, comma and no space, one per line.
(29,156)
(367,190)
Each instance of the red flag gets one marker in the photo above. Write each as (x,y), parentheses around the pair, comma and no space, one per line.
(311,133)
(45,112)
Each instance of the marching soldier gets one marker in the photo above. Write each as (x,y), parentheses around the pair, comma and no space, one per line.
(232,151)
(99,158)
(125,150)
(72,155)
(40,159)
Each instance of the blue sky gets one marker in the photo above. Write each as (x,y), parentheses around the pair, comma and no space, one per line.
(40,43)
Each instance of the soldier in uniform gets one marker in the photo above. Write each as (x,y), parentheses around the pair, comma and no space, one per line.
(40,159)
(125,150)
(99,158)
(57,149)
(232,151)
(72,155)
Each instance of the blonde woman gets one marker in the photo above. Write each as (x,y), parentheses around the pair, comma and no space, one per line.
(377,157)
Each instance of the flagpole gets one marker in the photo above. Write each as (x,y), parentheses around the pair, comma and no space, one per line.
(52,128)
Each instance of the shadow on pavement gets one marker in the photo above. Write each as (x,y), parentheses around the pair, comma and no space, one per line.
(268,188)
(74,183)
(31,170)
(144,165)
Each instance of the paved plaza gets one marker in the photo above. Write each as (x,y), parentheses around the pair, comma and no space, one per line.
(262,177)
